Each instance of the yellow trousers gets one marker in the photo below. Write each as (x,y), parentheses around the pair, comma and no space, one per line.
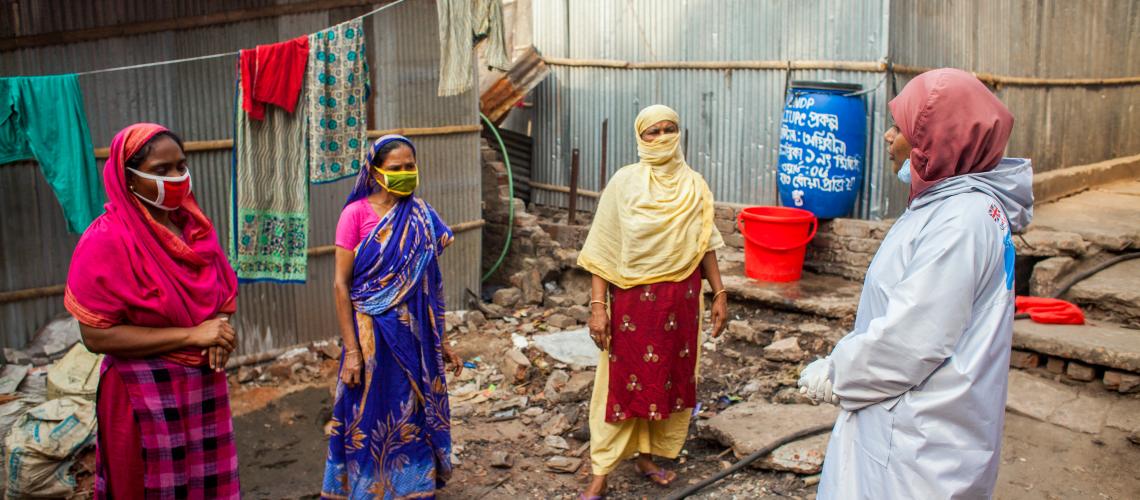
(610,443)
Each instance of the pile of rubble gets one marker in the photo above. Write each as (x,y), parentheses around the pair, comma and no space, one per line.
(521,407)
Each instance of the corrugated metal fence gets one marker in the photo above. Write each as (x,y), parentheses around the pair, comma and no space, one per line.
(196,100)
(732,117)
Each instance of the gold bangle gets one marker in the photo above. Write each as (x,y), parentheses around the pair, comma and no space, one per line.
(722,290)
(602,302)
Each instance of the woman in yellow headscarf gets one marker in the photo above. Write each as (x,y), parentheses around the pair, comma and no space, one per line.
(651,242)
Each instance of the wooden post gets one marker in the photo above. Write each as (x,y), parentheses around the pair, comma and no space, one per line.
(573,187)
(605,151)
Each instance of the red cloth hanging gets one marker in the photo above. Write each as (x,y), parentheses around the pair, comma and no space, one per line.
(273,74)
(1052,311)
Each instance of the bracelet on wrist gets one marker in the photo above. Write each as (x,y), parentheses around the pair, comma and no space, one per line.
(601,302)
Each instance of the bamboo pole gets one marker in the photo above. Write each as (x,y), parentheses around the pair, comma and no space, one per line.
(177,23)
(31,293)
(855,66)
(223,144)
(561,189)
(56,290)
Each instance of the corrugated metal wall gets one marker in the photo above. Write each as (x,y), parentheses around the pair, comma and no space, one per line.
(1057,127)
(196,100)
(733,117)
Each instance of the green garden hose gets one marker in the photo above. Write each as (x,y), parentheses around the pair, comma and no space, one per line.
(510,201)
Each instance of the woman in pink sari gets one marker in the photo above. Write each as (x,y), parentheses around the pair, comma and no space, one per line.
(152,290)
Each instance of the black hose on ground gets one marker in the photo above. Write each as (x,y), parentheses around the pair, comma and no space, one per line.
(744,462)
(1084,275)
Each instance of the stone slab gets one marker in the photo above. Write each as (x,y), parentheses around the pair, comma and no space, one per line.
(827,296)
(1036,397)
(1106,216)
(1095,343)
(802,457)
(749,426)
(1065,181)
(1085,414)
(1115,289)
(1058,404)
(1124,415)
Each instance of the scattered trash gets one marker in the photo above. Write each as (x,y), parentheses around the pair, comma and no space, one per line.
(54,339)
(729,400)
(573,347)
(11,377)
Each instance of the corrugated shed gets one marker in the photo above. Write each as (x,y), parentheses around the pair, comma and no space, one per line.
(196,100)
(731,118)
(1059,126)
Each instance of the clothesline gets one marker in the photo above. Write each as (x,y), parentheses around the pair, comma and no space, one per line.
(214,56)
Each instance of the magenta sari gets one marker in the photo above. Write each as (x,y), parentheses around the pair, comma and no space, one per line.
(129,270)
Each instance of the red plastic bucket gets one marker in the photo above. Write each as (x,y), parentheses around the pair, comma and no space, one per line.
(775,239)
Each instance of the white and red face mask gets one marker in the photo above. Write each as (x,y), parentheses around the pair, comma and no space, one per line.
(172,191)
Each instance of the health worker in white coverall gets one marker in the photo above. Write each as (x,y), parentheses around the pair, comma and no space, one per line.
(922,379)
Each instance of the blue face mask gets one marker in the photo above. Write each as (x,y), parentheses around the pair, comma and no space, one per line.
(904,172)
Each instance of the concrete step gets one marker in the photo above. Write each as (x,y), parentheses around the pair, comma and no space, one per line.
(1107,216)
(1085,409)
(1095,343)
(1115,290)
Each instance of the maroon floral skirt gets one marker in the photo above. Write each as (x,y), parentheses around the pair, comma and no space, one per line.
(653,349)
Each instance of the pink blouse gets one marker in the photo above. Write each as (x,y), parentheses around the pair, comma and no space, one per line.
(356,221)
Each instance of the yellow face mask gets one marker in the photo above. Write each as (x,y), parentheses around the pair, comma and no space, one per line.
(398,182)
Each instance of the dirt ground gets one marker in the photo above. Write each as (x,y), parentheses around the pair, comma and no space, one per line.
(281,444)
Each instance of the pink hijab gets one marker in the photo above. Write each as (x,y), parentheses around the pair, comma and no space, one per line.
(129,269)
(954,123)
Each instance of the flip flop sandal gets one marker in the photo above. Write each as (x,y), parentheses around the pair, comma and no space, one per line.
(662,474)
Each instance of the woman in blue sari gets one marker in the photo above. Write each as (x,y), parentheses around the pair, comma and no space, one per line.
(391,430)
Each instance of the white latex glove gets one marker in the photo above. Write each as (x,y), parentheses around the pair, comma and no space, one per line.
(815,382)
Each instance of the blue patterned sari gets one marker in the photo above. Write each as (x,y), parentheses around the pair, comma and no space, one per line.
(392,433)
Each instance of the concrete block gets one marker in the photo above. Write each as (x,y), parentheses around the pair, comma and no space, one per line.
(507,297)
(1129,382)
(1080,372)
(1055,365)
(867,246)
(734,240)
(784,350)
(1047,273)
(724,212)
(1024,359)
(725,226)
(1111,379)
(746,427)
(853,228)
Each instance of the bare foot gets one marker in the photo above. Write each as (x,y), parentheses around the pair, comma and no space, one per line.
(596,488)
(654,473)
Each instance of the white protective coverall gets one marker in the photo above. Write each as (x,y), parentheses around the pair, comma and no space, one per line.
(922,378)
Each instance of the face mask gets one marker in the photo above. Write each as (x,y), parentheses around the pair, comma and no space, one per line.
(399,183)
(172,191)
(904,172)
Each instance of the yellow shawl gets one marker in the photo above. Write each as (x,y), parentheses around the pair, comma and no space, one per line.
(654,222)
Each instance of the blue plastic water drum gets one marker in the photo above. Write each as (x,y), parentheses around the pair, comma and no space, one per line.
(823,139)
